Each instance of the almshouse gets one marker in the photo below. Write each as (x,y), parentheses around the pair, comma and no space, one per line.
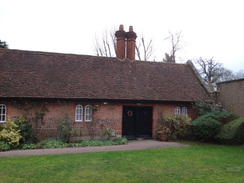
(95,93)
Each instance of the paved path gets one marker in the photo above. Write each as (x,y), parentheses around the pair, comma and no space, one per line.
(132,145)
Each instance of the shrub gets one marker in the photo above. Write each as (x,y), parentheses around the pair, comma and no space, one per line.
(221,116)
(28,146)
(108,133)
(179,125)
(49,144)
(64,130)
(232,132)
(25,130)
(203,108)
(120,140)
(10,134)
(4,146)
(109,143)
(116,141)
(73,145)
(88,143)
(206,127)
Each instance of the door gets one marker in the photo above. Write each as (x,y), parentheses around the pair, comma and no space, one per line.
(137,122)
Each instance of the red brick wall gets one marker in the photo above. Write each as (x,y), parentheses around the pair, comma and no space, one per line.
(106,116)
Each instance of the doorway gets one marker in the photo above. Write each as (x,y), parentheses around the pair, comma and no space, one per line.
(137,122)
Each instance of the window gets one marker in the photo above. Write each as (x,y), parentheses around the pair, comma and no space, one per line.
(184,111)
(177,110)
(88,113)
(2,113)
(79,113)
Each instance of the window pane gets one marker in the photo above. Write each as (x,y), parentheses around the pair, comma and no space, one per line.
(88,113)
(2,113)
(184,111)
(78,113)
(177,110)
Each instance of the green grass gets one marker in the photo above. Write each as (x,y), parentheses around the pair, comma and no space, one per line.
(198,163)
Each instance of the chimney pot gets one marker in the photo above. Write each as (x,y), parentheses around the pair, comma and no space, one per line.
(131,28)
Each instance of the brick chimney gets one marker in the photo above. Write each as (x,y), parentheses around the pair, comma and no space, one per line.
(131,43)
(126,43)
(121,37)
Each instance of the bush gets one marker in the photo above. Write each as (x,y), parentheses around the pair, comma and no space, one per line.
(206,127)
(49,144)
(232,132)
(116,141)
(64,130)
(88,143)
(221,116)
(203,108)
(25,130)
(10,134)
(73,145)
(4,146)
(108,133)
(109,143)
(28,146)
(179,125)
(120,141)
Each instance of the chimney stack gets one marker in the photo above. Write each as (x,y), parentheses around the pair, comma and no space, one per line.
(131,43)
(121,36)
(126,43)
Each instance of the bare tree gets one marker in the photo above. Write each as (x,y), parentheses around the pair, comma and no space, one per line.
(176,45)
(144,51)
(239,75)
(213,71)
(106,44)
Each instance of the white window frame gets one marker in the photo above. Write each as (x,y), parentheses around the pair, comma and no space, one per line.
(79,113)
(184,111)
(3,111)
(177,110)
(88,113)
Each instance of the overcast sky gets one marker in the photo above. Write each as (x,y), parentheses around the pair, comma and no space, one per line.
(210,28)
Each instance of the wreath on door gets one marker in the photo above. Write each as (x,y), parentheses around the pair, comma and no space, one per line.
(129,113)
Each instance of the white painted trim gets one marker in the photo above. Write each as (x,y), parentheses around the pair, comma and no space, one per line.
(81,114)
(1,114)
(89,120)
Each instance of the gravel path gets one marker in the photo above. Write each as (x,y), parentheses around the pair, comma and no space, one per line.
(132,145)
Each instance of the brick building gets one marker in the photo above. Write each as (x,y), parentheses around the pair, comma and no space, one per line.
(231,96)
(95,93)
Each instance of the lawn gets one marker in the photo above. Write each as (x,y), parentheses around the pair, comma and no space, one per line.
(197,163)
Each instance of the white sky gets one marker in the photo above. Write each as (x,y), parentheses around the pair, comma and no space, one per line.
(211,28)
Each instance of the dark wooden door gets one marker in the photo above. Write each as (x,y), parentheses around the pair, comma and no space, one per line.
(137,122)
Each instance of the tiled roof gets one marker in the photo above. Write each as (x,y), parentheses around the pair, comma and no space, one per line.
(69,76)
